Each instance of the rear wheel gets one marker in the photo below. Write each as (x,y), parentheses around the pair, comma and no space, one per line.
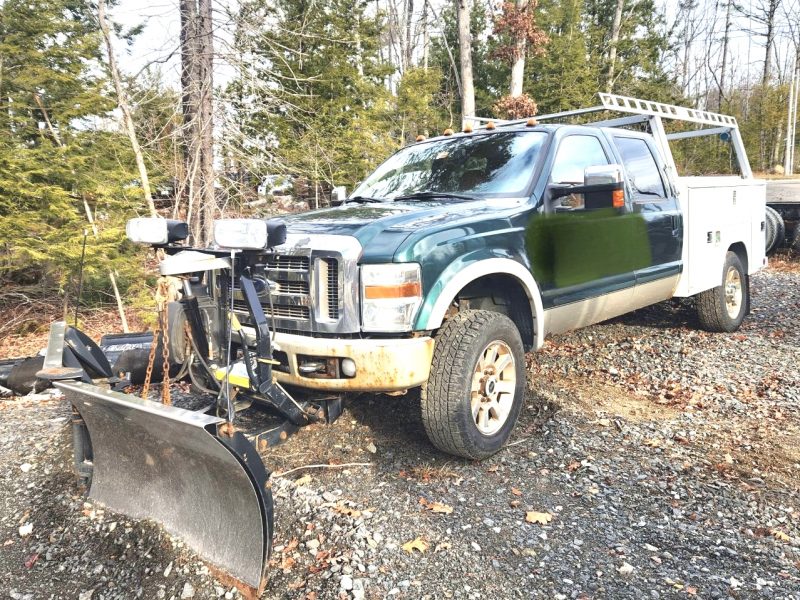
(474,394)
(722,309)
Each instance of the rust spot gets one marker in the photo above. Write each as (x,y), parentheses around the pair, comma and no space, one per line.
(226,579)
(227,429)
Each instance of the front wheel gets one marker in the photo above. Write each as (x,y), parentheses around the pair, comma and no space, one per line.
(722,309)
(476,388)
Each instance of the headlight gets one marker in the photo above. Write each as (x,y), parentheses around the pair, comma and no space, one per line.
(156,231)
(391,295)
(247,234)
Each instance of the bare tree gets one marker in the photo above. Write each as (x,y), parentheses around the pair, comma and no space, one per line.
(764,13)
(197,61)
(616,27)
(518,61)
(464,9)
(122,101)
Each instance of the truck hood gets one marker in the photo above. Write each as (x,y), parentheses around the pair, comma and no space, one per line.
(382,227)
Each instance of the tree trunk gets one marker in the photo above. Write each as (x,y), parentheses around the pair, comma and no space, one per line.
(725,42)
(197,52)
(518,66)
(616,26)
(464,8)
(208,200)
(769,18)
(409,47)
(122,101)
(426,40)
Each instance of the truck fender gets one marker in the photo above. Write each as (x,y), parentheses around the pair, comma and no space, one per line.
(481,268)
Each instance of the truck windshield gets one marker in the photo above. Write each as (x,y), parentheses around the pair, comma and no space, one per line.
(499,164)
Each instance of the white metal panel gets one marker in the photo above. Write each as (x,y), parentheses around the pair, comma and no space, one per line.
(719,212)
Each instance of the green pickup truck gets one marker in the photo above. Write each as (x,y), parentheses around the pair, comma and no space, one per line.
(462,252)
(449,262)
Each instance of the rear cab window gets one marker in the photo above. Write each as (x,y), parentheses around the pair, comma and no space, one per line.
(641,169)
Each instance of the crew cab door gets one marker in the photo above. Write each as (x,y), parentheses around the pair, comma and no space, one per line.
(584,254)
(654,201)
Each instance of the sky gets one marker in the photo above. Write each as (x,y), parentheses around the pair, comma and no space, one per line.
(162,32)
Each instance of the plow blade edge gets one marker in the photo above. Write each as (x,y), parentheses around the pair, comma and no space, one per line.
(170,465)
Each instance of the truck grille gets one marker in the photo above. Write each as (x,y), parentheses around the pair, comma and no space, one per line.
(300,313)
(329,287)
(291,287)
(306,293)
(287,262)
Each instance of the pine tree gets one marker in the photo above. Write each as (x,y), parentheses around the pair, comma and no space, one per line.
(57,147)
(313,86)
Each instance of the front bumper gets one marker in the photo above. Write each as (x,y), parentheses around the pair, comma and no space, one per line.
(382,365)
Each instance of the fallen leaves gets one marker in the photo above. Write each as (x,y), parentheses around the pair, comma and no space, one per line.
(341,508)
(542,518)
(516,492)
(304,480)
(436,507)
(417,544)
(780,535)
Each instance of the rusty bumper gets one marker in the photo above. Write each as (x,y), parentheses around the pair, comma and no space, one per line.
(382,365)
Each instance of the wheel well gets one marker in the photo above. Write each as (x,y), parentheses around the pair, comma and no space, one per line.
(739,249)
(501,293)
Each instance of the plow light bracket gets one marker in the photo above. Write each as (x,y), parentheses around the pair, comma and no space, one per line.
(156,231)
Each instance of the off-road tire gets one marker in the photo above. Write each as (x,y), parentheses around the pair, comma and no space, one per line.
(796,238)
(446,396)
(776,230)
(769,231)
(712,306)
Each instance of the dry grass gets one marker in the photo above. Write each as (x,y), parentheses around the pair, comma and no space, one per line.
(785,262)
(24,326)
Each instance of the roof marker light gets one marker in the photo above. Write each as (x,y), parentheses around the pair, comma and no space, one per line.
(490,125)
(448,131)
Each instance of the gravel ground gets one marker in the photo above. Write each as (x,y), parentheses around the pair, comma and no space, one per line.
(655,461)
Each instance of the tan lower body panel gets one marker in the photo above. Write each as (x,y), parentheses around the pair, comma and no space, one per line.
(382,365)
(594,310)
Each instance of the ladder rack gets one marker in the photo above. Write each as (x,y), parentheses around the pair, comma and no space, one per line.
(652,112)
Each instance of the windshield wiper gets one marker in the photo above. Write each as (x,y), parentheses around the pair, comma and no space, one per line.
(429,195)
(364,199)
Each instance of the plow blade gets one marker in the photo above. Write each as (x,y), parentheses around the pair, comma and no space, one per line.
(171,465)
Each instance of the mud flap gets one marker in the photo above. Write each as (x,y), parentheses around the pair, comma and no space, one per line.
(171,465)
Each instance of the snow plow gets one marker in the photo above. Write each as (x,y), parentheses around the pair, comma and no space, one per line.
(195,471)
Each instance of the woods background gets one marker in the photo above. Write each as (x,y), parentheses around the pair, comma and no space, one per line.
(315,94)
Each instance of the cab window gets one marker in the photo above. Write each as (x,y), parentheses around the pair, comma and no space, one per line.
(575,153)
(641,169)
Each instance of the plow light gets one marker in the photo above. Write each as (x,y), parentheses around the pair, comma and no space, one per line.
(247,234)
(156,231)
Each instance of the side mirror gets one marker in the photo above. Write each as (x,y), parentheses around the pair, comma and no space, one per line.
(339,195)
(602,175)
